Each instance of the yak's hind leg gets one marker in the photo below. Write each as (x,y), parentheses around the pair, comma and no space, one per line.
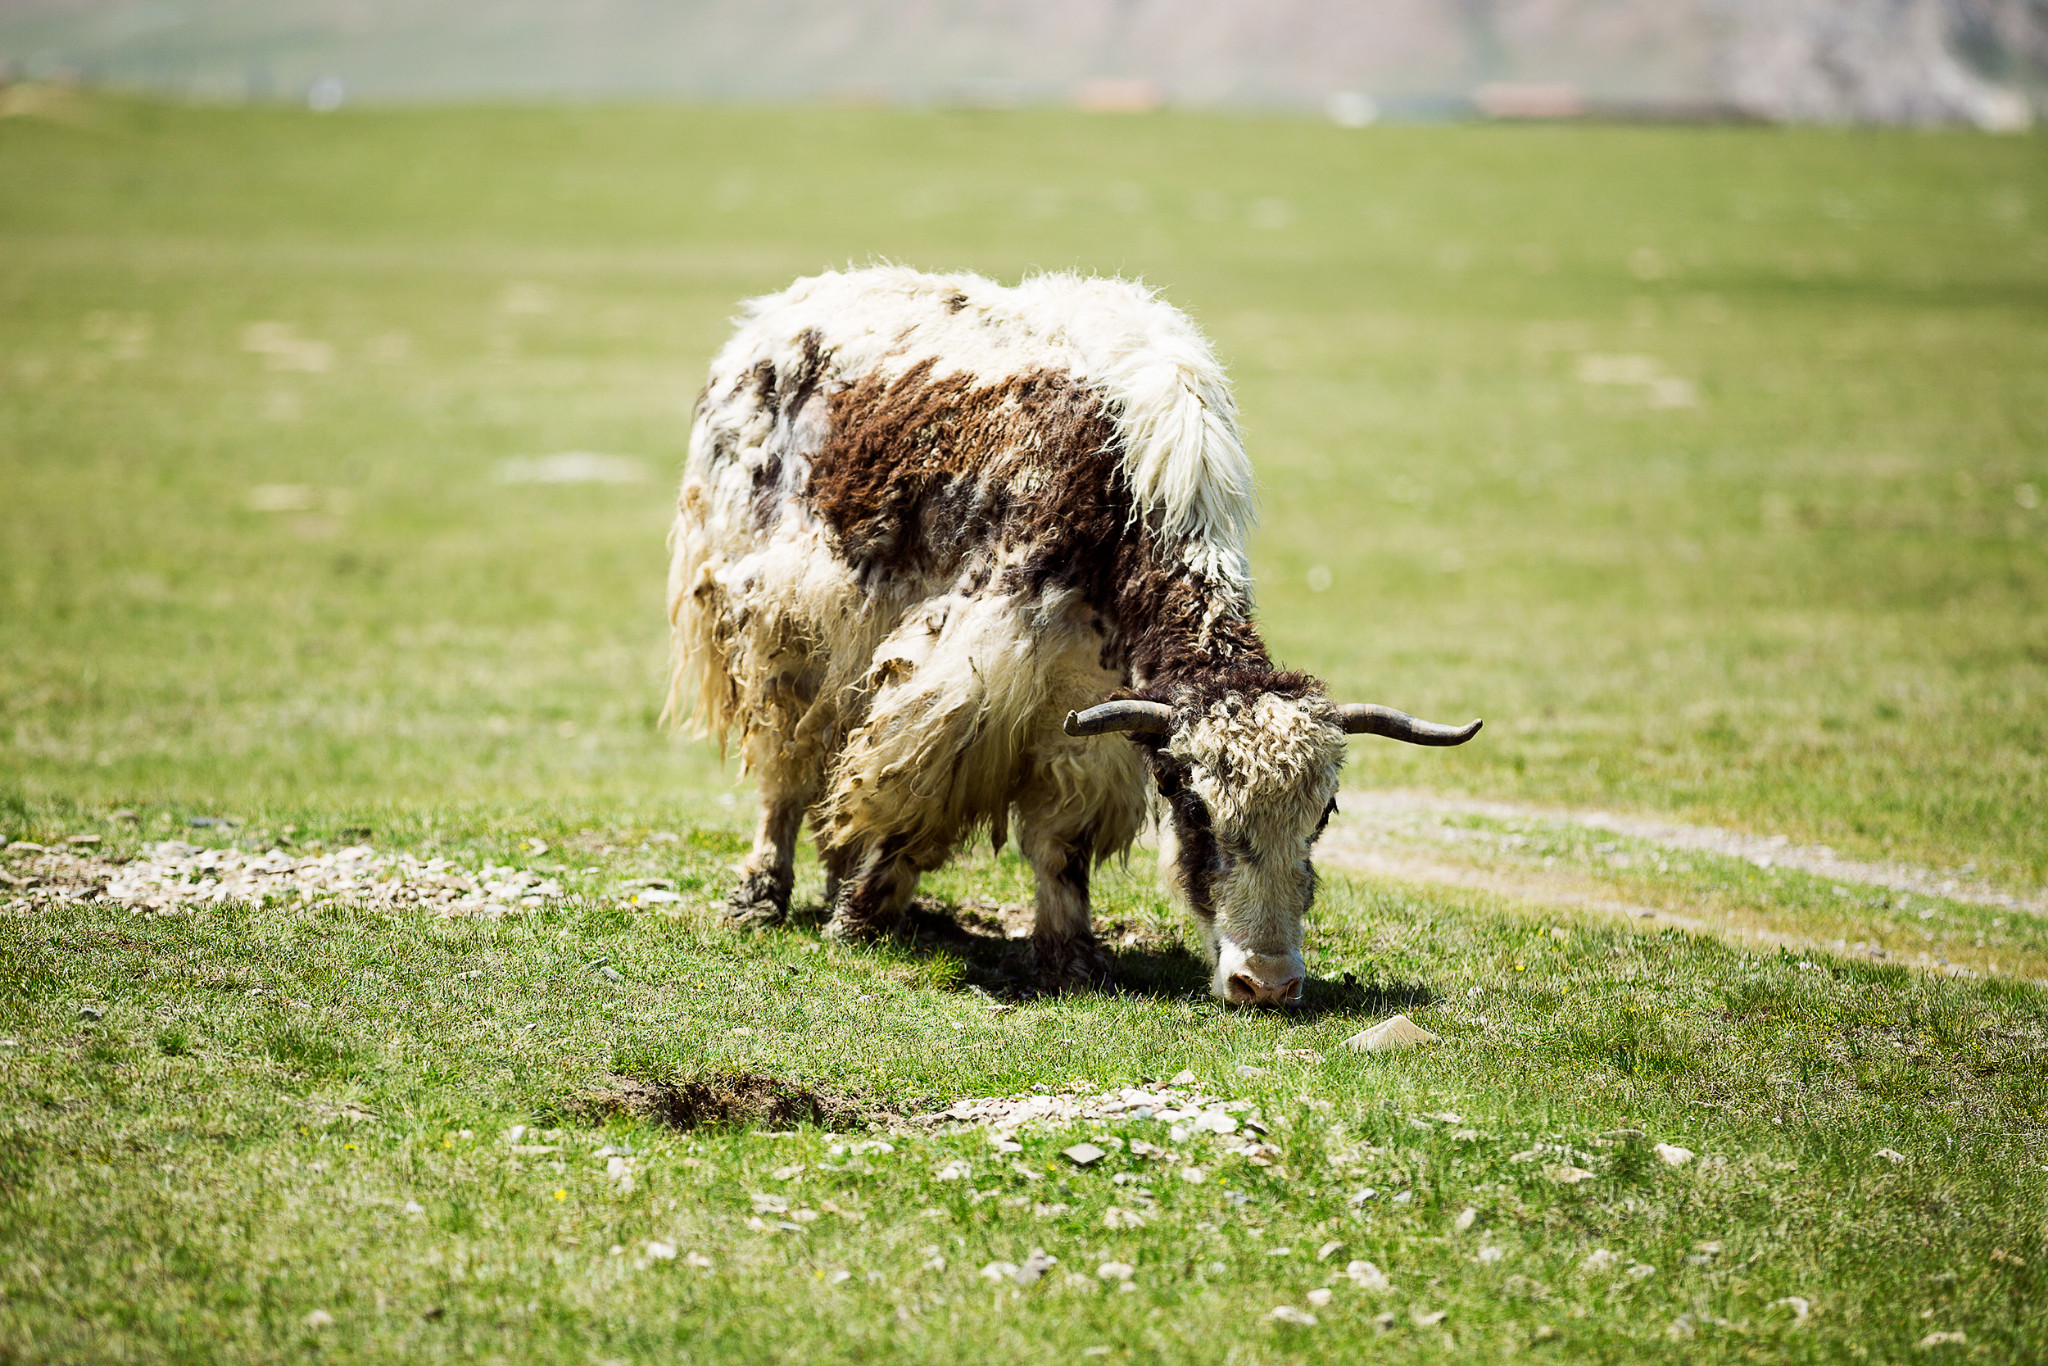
(762,898)
(873,893)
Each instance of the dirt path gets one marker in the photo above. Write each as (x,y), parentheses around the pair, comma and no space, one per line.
(1367,812)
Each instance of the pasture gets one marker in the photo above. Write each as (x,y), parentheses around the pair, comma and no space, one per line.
(1706,464)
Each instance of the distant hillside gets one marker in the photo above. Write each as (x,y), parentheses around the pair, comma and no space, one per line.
(1900,61)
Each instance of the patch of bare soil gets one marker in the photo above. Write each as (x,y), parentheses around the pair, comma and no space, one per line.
(728,1100)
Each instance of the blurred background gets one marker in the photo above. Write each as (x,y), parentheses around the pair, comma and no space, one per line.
(1891,61)
(1667,382)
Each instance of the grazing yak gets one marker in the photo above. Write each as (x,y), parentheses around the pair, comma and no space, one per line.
(938,539)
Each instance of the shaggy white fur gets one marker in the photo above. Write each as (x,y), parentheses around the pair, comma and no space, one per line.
(1171,399)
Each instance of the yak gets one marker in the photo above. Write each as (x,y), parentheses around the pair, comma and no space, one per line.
(954,557)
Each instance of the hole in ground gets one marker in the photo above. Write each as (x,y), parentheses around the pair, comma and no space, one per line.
(727,1100)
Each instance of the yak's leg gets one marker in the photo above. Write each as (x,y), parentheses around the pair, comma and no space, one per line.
(1063,943)
(762,898)
(873,894)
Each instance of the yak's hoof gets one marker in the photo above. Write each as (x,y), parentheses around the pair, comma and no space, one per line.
(758,903)
(1074,963)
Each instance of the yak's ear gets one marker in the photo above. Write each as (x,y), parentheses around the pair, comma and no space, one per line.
(1150,718)
(1366,718)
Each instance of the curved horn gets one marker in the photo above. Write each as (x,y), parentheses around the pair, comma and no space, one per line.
(1367,718)
(1150,718)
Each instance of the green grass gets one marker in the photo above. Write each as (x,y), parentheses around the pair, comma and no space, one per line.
(1808,602)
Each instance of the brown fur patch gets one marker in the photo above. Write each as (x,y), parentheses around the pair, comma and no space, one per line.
(1019,484)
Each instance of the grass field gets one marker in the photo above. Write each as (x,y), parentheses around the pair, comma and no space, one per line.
(1707,465)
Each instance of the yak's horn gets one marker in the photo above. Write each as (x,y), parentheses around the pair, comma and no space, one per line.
(1152,718)
(1366,718)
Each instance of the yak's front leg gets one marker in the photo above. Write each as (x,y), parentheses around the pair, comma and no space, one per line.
(1063,943)
(762,898)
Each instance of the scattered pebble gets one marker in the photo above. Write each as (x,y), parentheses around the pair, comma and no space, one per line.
(415,1207)
(660,1251)
(1116,1217)
(1429,1319)
(1300,1318)
(1465,1219)
(956,1170)
(1366,1276)
(1323,1252)
(1194,1176)
(1570,1176)
(319,1318)
(1318,1298)
(998,1271)
(1599,1259)
(1491,1254)
(1035,1266)
(1081,1154)
(1388,1035)
(1673,1155)
(1890,1155)
(1798,1304)
(1957,1338)
(1116,1271)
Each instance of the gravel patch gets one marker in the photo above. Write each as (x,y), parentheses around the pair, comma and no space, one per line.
(172,877)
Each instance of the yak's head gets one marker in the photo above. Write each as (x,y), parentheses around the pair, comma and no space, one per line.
(1249,779)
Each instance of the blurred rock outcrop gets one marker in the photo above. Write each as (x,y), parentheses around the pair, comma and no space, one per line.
(1982,62)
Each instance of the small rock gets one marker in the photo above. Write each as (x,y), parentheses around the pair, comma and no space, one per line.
(1366,1276)
(1798,1304)
(1245,1069)
(82,839)
(415,1207)
(1035,1266)
(1116,1217)
(1466,1218)
(611,974)
(956,1170)
(1184,1077)
(1491,1254)
(1194,1176)
(660,1251)
(89,1013)
(1388,1035)
(1116,1271)
(1944,1339)
(1300,1318)
(1323,1252)
(1427,1320)
(1383,1322)
(1570,1176)
(1672,1155)
(319,1318)
(770,1204)
(1890,1155)
(998,1271)
(1083,1154)
(1318,1298)
(698,1260)
(1599,1259)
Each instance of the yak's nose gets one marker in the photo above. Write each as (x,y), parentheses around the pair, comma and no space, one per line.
(1249,988)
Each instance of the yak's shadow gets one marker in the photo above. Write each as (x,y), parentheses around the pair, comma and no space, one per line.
(996,960)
